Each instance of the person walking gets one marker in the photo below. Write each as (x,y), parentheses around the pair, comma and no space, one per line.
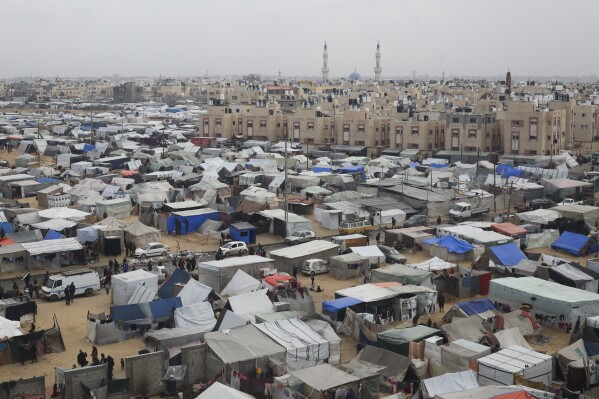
(393,222)
(312,277)
(102,359)
(149,265)
(110,363)
(294,270)
(67,295)
(378,238)
(441,301)
(72,291)
(126,266)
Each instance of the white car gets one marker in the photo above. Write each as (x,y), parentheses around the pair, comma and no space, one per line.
(234,248)
(317,266)
(152,249)
(299,237)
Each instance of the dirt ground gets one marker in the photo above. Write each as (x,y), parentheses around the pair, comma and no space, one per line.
(72,319)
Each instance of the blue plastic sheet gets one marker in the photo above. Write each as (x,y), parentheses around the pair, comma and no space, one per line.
(317,169)
(476,306)
(189,224)
(53,235)
(127,312)
(167,289)
(336,305)
(452,244)
(164,307)
(508,171)
(576,244)
(508,254)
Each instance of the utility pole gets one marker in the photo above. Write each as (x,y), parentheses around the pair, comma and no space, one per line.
(285,191)
(494,186)
(509,201)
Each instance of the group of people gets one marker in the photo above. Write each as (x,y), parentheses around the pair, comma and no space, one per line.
(69,293)
(113,264)
(129,248)
(108,360)
(184,262)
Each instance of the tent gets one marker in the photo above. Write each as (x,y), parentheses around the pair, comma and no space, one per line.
(496,392)
(434,264)
(391,366)
(401,274)
(499,368)
(448,383)
(87,234)
(249,304)
(576,244)
(509,229)
(507,254)
(371,252)
(173,338)
(569,354)
(483,308)
(185,222)
(325,330)
(125,284)
(240,284)
(242,349)
(458,354)
(325,377)
(199,315)
(348,266)
(556,304)
(53,235)
(117,207)
(221,391)
(194,292)
(9,328)
(335,308)
(218,273)
(539,216)
(470,329)
(141,235)
(454,245)
(398,339)
(286,257)
(305,347)
(542,239)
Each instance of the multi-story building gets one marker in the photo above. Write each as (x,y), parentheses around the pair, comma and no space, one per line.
(533,132)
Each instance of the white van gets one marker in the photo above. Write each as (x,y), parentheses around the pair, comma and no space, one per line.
(86,282)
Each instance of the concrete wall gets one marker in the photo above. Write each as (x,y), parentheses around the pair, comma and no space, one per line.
(29,386)
(145,373)
(92,377)
(194,357)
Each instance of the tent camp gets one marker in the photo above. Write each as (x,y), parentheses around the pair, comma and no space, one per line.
(220,391)
(449,248)
(117,207)
(141,235)
(218,273)
(433,264)
(457,356)
(576,244)
(186,222)
(199,315)
(499,368)
(325,330)
(448,383)
(556,304)
(470,329)
(125,284)
(398,339)
(305,347)
(483,308)
(249,304)
(506,254)
(539,216)
(194,292)
(285,258)
(371,252)
(322,378)
(572,276)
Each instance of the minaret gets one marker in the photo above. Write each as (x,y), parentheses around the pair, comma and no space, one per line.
(378,69)
(325,63)
(508,81)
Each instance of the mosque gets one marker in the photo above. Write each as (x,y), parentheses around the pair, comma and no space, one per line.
(378,70)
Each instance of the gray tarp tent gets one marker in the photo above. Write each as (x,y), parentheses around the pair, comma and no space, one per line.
(348,266)
(218,273)
(141,234)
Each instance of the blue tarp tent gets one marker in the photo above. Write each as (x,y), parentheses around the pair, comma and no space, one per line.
(452,244)
(507,254)
(335,305)
(477,306)
(350,169)
(6,226)
(186,222)
(576,244)
(44,180)
(164,308)
(508,171)
(317,169)
(88,148)
(140,312)
(53,235)
(167,289)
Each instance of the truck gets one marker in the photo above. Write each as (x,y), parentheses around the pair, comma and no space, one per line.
(465,210)
(570,201)
(86,281)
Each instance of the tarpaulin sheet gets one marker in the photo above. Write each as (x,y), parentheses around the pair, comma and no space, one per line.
(186,224)
(164,308)
(571,242)
(452,244)
(194,292)
(53,235)
(167,289)
(508,254)
(127,312)
(508,171)
(477,306)
(336,305)
(197,315)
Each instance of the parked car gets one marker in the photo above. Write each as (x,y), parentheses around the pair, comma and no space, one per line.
(4,163)
(416,220)
(317,266)
(392,255)
(300,236)
(530,228)
(86,282)
(234,248)
(570,201)
(540,203)
(152,249)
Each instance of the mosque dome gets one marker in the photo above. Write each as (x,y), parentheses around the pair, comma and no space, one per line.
(354,76)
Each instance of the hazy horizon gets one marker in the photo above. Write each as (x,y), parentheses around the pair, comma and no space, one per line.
(74,38)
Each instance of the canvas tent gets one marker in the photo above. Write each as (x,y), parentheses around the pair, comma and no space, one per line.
(347,266)
(458,354)
(194,292)
(499,368)
(449,248)
(240,284)
(304,346)
(325,330)
(286,257)
(125,284)
(448,383)
(325,377)
(483,308)
(539,216)
(507,254)
(470,329)
(251,303)
(398,339)
(401,274)
(557,304)
(218,273)
(199,315)
(221,391)
(371,252)
(141,235)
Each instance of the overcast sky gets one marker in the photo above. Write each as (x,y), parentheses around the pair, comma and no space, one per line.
(70,38)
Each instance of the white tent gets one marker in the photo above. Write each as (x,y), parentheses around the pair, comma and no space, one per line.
(539,216)
(194,292)
(448,383)
(499,368)
(433,264)
(372,252)
(251,303)
(220,391)
(9,328)
(141,234)
(305,347)
(197,315)
(125,284)
(240,284)
(142,294)
(63,213)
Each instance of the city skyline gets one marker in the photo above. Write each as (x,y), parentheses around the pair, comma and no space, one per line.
(67,38)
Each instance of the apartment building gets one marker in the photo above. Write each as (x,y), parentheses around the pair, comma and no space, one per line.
(533,132)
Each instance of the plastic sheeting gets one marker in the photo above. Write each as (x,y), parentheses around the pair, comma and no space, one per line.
(241,283)
(142,294)
(198,315)
(477,306)
(543,239)
(576,244)
(87,234)
(249,304)
(220,391)
(508,254)
(448,383)
(452,244)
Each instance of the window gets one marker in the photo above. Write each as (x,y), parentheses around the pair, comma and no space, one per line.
(415,130)
(413,146)
(430,132)
(517,123)
(361,129)
(310,125)
(472,120)
(456,120)
(218,122)
(359,142)
(263,124)
(278,124)
(472,133)
(234,98)
(583,115)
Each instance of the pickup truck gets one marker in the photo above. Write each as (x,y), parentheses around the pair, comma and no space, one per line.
(570,201)
(465,210)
